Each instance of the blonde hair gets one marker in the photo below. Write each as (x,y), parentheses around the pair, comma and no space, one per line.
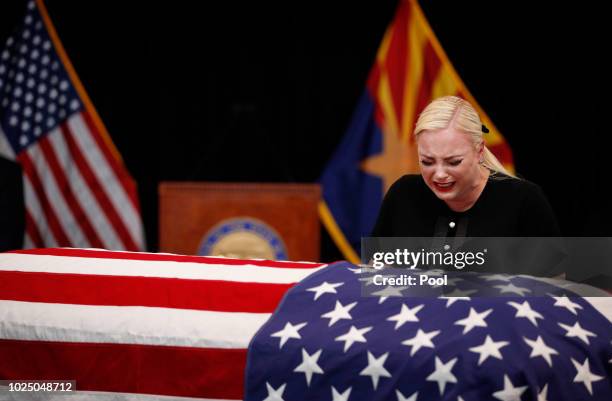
(447,110)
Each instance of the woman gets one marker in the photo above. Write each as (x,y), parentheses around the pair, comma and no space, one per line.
(463,190)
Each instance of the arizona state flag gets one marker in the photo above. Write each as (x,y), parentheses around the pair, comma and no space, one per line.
(410,70)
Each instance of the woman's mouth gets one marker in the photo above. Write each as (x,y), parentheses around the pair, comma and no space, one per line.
(444,186)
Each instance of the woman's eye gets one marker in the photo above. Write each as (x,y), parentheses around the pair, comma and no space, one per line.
(426,163)
(455,162)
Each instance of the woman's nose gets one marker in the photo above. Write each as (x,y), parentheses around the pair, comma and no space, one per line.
(440,174)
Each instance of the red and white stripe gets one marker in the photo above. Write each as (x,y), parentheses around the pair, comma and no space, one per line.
(76,192)
(132,324)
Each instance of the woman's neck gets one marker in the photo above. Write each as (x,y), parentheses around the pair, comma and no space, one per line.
(466,203)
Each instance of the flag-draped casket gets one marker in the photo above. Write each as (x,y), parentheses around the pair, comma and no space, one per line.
(132,326)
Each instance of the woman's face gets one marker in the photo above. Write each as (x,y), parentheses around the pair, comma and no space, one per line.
(449,163)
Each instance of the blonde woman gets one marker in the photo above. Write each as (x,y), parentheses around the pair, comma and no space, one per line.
(463,190)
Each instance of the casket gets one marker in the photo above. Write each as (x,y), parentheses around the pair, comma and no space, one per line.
(140,326)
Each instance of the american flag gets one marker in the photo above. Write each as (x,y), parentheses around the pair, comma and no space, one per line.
(136,326)
(327,341)
(77,191)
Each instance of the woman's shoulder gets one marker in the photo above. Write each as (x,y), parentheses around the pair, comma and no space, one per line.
(535,214)
(515,187)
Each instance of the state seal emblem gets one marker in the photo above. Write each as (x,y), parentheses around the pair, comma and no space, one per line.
(244,238)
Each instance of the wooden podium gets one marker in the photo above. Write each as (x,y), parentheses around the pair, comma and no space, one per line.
(269,221)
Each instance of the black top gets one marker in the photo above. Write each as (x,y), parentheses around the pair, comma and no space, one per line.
(507,207)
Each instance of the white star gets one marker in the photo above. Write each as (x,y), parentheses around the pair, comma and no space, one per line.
(539,348)
(375,368)
(474,319)
(389,291)
(434,272)
(289,331)
(496,277)
(584,374)
(489,348)
(356,271)
(509,393)
(442,374)
(511,288)
(352,336)
(309,365)
(452,299)
(565,302)
(420,340)
(325,288)
(543,395)
(524,310)
(275,395)
(400,396)
(406,315)
(340,312)
(577,331)
(341,397)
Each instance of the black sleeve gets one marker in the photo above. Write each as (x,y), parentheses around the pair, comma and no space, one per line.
(12,210)
(537,218)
